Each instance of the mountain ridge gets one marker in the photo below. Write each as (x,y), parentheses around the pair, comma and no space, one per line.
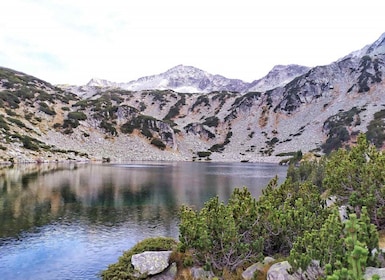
(189,79)
(317,111)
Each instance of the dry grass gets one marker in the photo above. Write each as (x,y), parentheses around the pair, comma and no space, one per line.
(381,239)
(262,274)
(184,274)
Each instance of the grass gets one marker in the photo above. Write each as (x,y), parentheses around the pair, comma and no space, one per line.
(381,239)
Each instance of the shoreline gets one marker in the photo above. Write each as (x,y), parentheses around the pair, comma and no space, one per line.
(269,159)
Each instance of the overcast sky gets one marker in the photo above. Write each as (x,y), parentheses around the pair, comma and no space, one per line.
(72,41)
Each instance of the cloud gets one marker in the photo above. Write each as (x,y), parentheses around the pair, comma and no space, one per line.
(123,40)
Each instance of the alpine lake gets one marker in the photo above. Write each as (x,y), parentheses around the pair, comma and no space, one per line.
(70,221)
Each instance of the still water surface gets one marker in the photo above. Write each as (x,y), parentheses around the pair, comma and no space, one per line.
(71,221)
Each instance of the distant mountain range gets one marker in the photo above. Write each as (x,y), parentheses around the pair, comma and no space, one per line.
(188,114)
(188,79)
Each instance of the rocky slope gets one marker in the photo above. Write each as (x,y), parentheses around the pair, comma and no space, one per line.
(317,109)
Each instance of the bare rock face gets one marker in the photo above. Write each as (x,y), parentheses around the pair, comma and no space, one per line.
(151,262)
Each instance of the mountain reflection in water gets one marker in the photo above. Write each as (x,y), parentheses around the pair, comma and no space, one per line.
(84,215)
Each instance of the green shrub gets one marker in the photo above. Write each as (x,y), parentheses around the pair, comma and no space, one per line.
(10,99)
(45,96)
(30,143)
(80,116)
(211,121)
(10,112)
(124,270)
(70,123)
(174,110)
(3,123)
(219,234)
(375,130)
(108,127)
(46,109)
(18,122)
(158,143)
(203,154)
(357,178)
(220,147)
(336,128)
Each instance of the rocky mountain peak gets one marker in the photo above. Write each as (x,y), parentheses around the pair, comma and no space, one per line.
(95,82)
(189,79)
(278,76)
(378,47)
(185,70)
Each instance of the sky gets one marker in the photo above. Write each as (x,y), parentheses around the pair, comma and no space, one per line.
(72,41)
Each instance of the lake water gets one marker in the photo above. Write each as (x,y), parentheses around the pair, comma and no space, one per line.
(69,221)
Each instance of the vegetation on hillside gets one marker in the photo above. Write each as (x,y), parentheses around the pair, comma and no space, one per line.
(293,221)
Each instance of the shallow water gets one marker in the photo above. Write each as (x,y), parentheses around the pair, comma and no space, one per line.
(71,221)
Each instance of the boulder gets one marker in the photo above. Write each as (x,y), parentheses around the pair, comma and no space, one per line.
(268,260)
(280,271)
(248,274)
(169,274)
(200,273)
(370,271)
(151,262)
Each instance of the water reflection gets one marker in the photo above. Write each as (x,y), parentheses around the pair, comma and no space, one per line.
(83,216)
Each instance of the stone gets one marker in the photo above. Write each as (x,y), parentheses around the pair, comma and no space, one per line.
(151,262)
(370,271)
(200,273)
(248,274)
(168,274)
(268,260)
(280,271)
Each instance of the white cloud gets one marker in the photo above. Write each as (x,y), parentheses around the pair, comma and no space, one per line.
(72,41)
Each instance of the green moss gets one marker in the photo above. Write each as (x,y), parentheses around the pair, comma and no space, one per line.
(123,269)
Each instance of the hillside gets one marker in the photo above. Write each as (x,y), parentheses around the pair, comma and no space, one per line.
(311,109)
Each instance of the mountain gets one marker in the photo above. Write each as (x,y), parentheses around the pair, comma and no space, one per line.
(188,79)
(292,108)
(280,75)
